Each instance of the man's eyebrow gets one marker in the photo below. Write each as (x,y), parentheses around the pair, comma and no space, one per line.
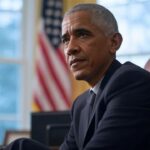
(76,31)
(82,30)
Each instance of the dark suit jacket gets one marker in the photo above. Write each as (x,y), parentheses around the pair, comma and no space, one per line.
(121,116)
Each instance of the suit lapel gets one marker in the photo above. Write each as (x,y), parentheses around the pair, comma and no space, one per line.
(84,122)
(114,66)
(90,128)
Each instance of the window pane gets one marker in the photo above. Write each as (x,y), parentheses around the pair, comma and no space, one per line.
(11,4)
(10,35)
(139,59)
(9,88)
(134,23)
(10,74)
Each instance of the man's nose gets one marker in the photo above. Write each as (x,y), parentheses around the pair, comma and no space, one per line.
(73,47)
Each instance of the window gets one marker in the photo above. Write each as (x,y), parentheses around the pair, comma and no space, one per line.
(16,48)
(134,27)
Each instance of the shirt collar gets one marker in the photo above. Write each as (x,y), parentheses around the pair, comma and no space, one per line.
(96,87)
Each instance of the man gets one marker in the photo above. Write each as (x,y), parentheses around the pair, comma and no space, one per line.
(115,113)
(120,117)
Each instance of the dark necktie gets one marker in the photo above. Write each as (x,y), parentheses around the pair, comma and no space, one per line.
(88,113)
(92,101)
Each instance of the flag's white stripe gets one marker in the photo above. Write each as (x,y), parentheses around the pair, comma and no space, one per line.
(41,96)
(56,96)
(64,78)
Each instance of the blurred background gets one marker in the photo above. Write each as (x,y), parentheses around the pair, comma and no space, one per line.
(33,72)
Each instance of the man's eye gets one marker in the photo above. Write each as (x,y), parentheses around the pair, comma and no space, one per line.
(65,40)
(82,34)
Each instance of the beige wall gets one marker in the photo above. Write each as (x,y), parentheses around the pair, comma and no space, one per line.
(70,3)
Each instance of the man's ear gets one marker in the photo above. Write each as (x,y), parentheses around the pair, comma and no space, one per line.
(116,41)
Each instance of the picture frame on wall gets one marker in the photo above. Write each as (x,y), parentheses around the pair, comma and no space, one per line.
(12,135)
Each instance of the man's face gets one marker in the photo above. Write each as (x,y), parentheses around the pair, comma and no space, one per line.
(87,49)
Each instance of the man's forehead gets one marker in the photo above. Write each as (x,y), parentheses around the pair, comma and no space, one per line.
(76,16)
(76,19)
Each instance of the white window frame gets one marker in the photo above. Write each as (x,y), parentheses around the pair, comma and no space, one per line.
(29,26)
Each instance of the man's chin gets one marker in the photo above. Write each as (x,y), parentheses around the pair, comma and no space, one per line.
(79,76)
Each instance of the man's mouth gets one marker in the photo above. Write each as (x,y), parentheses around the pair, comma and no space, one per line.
(75,61)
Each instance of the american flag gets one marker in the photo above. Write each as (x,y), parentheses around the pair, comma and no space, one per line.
(52,90)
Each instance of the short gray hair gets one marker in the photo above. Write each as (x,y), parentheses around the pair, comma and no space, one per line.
(101,16)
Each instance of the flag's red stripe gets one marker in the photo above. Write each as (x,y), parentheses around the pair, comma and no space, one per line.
(45,88)
(62,58)
(52,71)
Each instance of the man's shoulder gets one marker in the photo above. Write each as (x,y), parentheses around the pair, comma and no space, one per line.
(127,74)
(129,67)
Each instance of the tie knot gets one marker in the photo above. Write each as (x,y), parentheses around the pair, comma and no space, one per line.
(92,93)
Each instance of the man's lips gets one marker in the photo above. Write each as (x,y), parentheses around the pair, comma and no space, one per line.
(76,60)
